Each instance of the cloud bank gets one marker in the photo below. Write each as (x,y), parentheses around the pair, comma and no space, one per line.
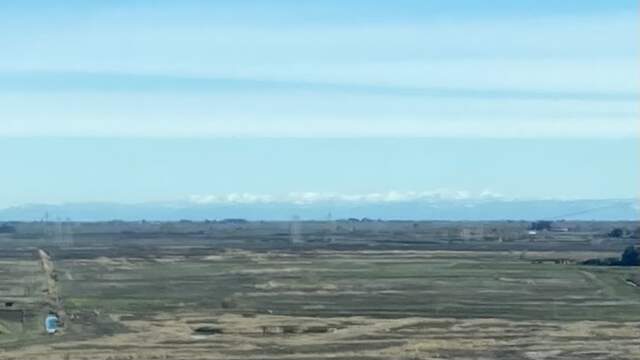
(308,198)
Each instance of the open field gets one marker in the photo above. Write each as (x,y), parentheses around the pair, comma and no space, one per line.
(339,290)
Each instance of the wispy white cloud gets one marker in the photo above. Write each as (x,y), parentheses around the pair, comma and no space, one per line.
(252,126)
(533,76)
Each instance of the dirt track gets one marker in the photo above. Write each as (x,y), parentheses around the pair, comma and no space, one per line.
(53,299)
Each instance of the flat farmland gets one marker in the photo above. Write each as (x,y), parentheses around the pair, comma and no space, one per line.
(184,299)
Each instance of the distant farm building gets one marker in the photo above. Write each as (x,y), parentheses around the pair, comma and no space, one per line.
(559,227)
(553,261)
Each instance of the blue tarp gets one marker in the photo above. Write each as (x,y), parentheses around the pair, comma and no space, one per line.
(51,323)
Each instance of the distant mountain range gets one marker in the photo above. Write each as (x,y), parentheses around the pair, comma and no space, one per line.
(607,209)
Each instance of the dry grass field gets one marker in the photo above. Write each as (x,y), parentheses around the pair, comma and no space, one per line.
(356,291)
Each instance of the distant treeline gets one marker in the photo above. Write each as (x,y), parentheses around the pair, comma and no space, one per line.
(630,257)
(617,232)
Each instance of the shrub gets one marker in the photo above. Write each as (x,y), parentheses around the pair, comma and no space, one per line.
(616,233)
(630,257)
(7,229)
(541,225)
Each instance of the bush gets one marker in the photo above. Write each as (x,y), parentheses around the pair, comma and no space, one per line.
(7,229)
(616,233)
(630,257)
(602,262)
(229,303)
(541,225)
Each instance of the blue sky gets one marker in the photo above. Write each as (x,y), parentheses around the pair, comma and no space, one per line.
(134,170)
(444,93)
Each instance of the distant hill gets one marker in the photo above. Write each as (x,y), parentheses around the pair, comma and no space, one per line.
(609,209)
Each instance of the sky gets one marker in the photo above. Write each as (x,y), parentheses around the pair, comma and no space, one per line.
(135,101)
